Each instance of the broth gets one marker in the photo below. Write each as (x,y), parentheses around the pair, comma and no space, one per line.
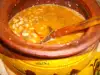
(35,23)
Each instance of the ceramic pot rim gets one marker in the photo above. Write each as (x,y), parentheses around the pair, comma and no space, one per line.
(47,51)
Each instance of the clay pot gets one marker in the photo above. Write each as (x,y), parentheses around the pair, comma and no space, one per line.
(86,7)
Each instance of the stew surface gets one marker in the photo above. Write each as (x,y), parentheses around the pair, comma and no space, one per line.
(35,23)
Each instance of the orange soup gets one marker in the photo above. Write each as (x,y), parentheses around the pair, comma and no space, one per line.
(35,23)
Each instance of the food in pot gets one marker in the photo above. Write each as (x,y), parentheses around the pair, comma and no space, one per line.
(35,23)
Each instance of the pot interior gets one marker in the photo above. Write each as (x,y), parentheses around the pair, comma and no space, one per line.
(77,5)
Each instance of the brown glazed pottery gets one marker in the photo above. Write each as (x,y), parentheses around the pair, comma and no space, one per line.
(8,8)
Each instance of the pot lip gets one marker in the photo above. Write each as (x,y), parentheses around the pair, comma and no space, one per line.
(42,51)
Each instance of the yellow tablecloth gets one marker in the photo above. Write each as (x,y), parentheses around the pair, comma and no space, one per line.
(86,71)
